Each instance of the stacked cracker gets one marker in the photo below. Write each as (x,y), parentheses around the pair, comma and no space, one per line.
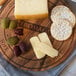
(63,22)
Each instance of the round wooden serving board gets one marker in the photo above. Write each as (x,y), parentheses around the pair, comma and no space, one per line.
(28,61)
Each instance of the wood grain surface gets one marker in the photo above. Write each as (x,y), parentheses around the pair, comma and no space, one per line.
(28,61)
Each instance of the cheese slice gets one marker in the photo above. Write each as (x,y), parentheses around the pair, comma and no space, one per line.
(31,9)
(44,38)
(46,49)
(41,49)
(35,42)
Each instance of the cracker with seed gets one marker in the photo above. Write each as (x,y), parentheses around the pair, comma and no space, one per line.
(63,12)
(61,30)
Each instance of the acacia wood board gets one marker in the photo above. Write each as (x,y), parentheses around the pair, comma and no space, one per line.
(28,61)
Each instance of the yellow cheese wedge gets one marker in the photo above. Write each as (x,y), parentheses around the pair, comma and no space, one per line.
(44,38)
(35,42)
(31,9)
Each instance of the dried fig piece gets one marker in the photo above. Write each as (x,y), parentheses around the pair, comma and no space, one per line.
(17,51)
(23,46)
(19,31)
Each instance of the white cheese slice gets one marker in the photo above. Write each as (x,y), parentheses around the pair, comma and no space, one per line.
(50,51)
(44,38)
(41,49)
(35,42)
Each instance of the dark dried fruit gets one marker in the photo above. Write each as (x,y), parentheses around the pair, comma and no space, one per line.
(5,23)
(18,31)
(13,40)
(17,51)
(22,46)
(13,24)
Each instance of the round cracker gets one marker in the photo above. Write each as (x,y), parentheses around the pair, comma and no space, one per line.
(63,12)
(2,2)
(61,30)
